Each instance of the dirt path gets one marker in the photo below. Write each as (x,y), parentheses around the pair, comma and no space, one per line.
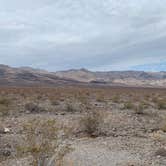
(113,151)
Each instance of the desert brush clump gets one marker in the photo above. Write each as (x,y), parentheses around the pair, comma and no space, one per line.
(100,98)
(94,123)
(128,105)
(163,125)
(34,108)
(116,99)
(71,108)
(41,139)
(140,107)
(161,104)
(5,101)
(4,106)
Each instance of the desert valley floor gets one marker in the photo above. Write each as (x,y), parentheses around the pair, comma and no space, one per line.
(82,126)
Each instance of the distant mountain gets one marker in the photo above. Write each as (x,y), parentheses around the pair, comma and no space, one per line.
(127,78)
(26,76)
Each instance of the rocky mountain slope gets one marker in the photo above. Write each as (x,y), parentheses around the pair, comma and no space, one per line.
(26,76)
(131,78)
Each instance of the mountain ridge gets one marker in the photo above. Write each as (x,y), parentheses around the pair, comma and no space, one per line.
(28,76)
(131,78)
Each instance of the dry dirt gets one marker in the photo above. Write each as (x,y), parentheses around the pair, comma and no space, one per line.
(129,131)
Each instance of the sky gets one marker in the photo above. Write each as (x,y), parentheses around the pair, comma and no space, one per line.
(94,34)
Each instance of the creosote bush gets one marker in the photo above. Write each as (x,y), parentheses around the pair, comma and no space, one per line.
(163,125)
(139,109)
(93,123)
(71,108)
(4,101)
(33,108)
(41,140)
(161,104)
(4,111)
(116,99)
(128,105)
(100,98)
(4,106)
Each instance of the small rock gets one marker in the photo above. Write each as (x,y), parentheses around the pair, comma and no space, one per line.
(6,130)
(5,153)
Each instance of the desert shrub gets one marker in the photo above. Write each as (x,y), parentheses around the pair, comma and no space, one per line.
(4,101)
(154,99)
(139,109)
(4,106)
(100,98)
(71,108)
(41,140)
(163,125)
(128,106)
(84,100)
(55,102)
(93,123)
(34,108)
(163,128)
(4,111)
(161,104)
(116,99)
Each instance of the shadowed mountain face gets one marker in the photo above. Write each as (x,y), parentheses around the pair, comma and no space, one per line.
(26,76)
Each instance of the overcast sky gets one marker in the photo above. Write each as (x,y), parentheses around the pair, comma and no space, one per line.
(92,34)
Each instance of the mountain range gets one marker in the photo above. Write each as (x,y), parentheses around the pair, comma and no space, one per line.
(26,76)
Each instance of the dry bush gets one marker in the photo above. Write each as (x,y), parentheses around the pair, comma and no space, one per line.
(94,124)
(116,99)
(139,109)
(55,102)
(5,101)
(41,140)
(84,100)
(4,106)
(71,108)
(128,106)
(161,104)
(4,111)
(100,98)
(34,108)
(163,125)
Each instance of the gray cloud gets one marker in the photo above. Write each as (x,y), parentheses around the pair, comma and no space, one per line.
(96,34)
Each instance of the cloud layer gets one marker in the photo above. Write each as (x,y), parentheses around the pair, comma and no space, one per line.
(95,34)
